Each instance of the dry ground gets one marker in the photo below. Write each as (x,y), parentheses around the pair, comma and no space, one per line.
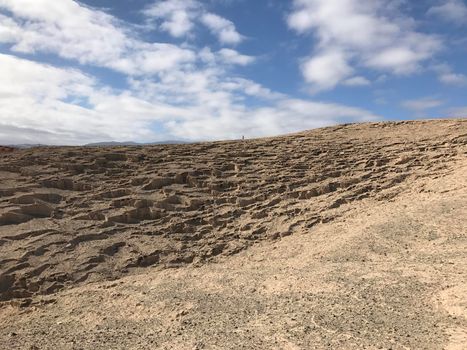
(356,238)
(4,149)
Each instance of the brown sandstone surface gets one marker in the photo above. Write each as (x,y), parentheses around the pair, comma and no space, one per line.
(356,238)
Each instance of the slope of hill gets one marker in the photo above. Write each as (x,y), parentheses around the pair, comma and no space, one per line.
(356,239)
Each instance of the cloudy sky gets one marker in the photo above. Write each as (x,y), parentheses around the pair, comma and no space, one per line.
(73,72)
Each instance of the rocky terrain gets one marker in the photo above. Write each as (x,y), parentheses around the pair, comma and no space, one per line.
(4,149)
(356,238)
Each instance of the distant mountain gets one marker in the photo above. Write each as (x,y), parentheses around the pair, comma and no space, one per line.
(131,143)
(27,145)
(111,143)
(101,144)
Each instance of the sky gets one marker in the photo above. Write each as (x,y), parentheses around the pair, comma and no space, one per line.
(75,72)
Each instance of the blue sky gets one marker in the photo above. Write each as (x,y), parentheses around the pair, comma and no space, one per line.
(74,72)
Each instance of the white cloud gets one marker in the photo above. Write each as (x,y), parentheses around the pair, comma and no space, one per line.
(399,59)
(368,33)
(45,104)
(251,88)
(153,58)
(92,37)
(224,56)
(450,11)
(178,18)
(447,76)
(88,36)
(356,81)
(326,70)
(40,82)
(177,15)
(233,57)
(287,115)
(422,104)
(9,30)
(223,28)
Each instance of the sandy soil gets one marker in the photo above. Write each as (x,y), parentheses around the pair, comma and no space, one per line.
(356,238)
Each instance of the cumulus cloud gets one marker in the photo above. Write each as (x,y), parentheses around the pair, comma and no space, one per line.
(366,33)
(401,59)
(222,28)
(93,37)
(452,11)
(233,57)
(72,31)
(178,18)
(326,69)
(177,15)
(448,77)
(284,116)
(8,29)
(45,104)
(55,105)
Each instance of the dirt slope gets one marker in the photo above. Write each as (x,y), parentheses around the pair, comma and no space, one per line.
(374,258)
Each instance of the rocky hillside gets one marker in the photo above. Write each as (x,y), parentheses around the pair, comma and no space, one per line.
(355,234)
(69,215)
